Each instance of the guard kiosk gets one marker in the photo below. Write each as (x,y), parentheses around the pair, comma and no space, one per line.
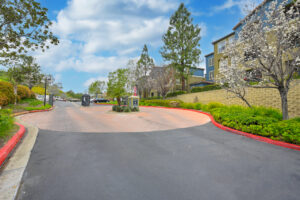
(133,101)
(85,100)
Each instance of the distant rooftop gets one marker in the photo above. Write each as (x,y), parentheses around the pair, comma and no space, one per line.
(230,34)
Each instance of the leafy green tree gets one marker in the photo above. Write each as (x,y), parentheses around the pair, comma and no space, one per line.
(24,26)
(143,69)
(181,43)
(16,77)
(31,72)
(117,84)
(96,87)
(55,89)
(74,95)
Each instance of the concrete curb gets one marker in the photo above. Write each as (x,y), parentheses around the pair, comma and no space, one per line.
(31,111)
(10,145)
(249,135)
(12,172)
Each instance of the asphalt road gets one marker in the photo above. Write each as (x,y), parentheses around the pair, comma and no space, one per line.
(199,162)
(71,117)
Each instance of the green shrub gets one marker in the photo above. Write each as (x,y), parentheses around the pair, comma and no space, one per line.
(126,109)
(174,94)
(135,109)
(3,99)
(114,108)
(188,105)
(6,122)
(205,88)
(23,91)
(198,106)
(31,102)
(287,130)
(6,93)
(164,103)
(214,105)
(38,108)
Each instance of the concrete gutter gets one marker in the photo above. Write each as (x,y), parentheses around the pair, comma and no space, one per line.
(12,173)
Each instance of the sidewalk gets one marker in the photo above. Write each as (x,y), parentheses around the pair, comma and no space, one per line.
(11,175)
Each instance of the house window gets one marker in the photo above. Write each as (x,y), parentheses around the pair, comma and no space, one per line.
(177,81)
(221,46)
(211,75)
(211,62)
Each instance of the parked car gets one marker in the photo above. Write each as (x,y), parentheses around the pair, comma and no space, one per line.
(100,100)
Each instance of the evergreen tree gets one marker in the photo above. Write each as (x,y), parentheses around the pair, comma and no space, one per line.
(181,43)
(144,67)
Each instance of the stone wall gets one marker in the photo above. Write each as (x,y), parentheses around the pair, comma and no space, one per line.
(258,97)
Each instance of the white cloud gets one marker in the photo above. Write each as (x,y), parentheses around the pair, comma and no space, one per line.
(203,29)
(99,35)
(89,81)
(244,5)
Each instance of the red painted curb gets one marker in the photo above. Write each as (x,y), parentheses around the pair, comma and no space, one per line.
(10,145)
(249,135)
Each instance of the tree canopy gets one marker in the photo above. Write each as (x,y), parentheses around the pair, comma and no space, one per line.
(143,68)
(24,26)
(96,87)
(181,43)
(117,84)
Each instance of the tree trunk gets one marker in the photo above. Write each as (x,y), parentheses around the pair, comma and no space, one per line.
(119,101)
(245,100)
(284,102)
(182,83)
(16,93)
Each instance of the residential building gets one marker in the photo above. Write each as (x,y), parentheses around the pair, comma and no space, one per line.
(220,44)
(219,48)
(209,65)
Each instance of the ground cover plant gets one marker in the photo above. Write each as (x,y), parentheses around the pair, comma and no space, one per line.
(261,121)
(27,105)
(205,88)
(118,108)
(7,127)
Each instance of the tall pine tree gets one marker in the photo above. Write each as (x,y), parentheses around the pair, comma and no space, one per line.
(181,43)
(144,67)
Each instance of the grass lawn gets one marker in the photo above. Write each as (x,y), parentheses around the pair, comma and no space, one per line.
(27,105)
(6,135)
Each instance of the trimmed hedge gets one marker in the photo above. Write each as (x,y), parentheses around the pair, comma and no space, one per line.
(23,92)
(39,90)
(205,88)
(38,108)
(117,108)
(6,93)
(262,121)
(159,102)
(174,94)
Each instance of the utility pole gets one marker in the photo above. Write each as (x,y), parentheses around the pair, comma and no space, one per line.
(46,79)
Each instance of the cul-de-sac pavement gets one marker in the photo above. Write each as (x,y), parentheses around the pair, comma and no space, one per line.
(94,153)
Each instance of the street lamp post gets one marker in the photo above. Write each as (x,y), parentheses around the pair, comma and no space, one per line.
(47,78)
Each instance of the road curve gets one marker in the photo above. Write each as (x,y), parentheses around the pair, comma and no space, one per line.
(72,117)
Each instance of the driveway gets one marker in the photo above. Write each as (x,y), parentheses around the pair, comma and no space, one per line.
(191,161)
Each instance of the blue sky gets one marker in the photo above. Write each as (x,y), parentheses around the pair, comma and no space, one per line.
(99,36)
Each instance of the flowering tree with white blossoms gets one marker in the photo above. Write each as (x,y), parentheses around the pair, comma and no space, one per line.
(232,78)
(269,43)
